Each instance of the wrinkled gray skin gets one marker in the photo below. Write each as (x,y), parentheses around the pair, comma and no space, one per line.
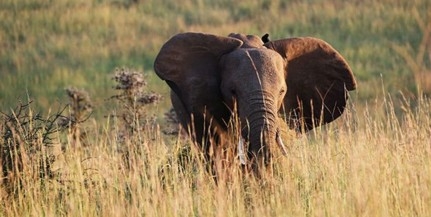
(254,79)
(304,79)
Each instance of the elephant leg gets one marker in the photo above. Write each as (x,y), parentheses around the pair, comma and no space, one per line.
(195,126)
(182,114)
(205,132)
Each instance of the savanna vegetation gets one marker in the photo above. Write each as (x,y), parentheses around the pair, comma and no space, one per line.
(86,127)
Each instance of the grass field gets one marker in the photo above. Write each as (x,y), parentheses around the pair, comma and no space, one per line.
(369,163)
(374,161)
(49,45)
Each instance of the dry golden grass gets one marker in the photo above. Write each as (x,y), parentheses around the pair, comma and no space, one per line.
(372,162)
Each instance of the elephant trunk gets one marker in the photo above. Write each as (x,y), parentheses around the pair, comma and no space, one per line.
(262,131)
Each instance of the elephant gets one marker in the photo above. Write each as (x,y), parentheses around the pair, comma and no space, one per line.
(214,78)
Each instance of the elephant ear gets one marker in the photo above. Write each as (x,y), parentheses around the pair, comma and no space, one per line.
(188,62)
(318,79)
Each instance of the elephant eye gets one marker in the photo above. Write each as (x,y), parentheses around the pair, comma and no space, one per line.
(282,92)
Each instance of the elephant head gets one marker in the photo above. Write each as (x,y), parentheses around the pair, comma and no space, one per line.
(210,76)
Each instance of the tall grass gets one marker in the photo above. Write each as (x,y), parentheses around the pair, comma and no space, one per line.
(372,162)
